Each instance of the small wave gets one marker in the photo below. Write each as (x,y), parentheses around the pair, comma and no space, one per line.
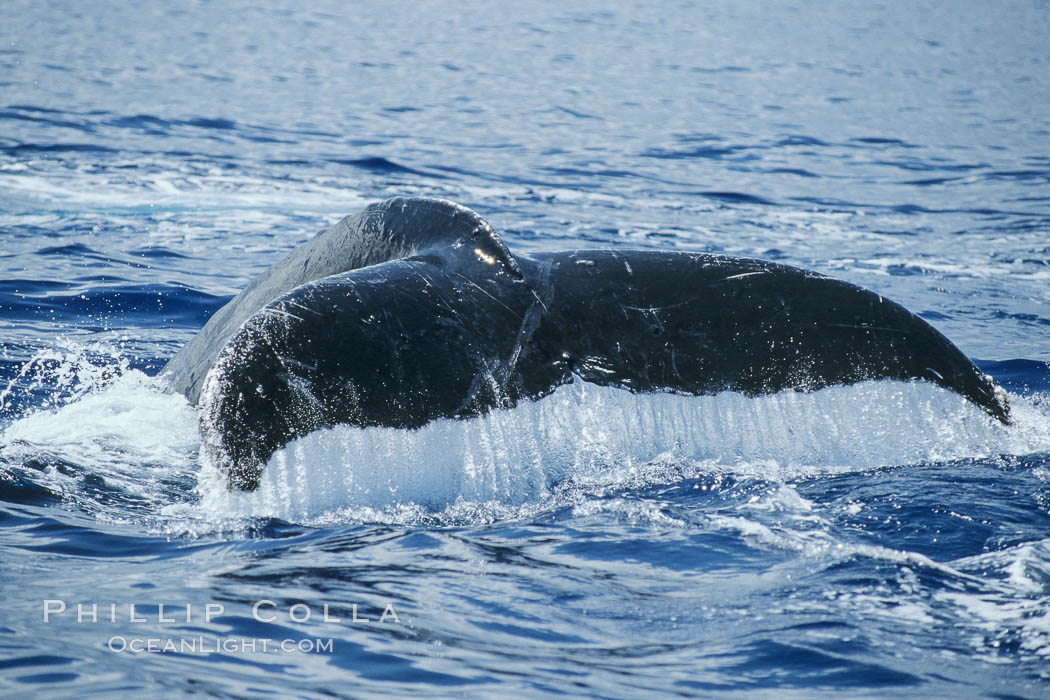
(106,305)
(145,122)
(737,197)
(156,252)
(1021,175)
(62,123)
(932,181)
(56,148)
(1025,318)
(710,152)
(206,123)
(799,140)
(881,141)
(375,165)
(794,171)
(1020,376)
(75,249)
(576,113)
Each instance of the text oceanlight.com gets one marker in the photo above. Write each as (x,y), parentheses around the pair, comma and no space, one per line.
(211,645)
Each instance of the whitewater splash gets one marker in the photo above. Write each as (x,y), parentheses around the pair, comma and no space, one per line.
(593,436)
(105,437)
(129,433)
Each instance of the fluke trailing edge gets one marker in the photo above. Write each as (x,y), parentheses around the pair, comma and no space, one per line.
(414,309)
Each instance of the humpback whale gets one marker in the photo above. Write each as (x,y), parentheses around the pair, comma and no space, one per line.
(414,309)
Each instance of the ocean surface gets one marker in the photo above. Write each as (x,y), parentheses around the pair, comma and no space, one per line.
(884,539)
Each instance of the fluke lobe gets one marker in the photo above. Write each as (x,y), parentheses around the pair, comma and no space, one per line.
(414,310)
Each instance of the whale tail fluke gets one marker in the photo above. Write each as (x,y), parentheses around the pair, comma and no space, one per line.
(414,310)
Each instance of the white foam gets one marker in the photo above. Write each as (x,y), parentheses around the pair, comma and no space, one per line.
(130,422)
(179,190)
(101,420)
(587,434)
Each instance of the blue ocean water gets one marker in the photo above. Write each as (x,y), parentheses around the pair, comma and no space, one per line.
(882,539)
